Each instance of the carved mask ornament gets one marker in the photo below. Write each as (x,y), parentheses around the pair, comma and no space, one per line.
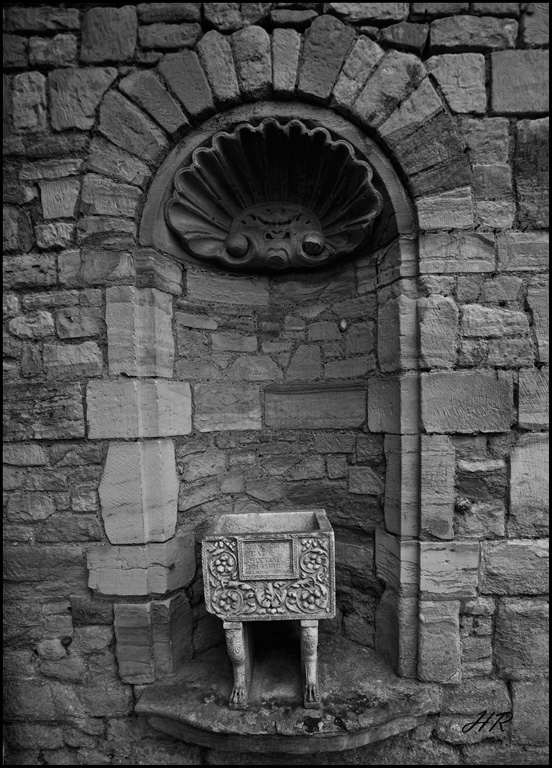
(272,198)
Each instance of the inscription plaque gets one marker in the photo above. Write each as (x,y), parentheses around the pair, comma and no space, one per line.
(265,559)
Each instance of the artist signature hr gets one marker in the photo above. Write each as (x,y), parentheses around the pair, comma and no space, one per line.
(483,721)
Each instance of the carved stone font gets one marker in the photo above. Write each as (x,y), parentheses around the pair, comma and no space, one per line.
(272,198)
(266,567)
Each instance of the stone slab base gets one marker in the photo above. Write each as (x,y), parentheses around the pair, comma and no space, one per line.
(362,700)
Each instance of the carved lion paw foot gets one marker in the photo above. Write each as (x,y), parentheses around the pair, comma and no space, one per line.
(239,696)
(311,692)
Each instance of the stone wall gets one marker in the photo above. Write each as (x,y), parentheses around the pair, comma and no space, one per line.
(405,392)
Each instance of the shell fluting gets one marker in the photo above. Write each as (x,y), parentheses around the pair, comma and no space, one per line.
(273,197)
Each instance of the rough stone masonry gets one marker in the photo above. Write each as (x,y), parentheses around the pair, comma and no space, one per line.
(405,391)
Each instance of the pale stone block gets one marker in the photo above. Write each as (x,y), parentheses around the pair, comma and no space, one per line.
(521,638)
(496,214)
(449,210)
(59,198)
(139,492)
(138,408)
(438,323)
(397,632)
(523,251)
(315,407)
(397,563)
(437,486)
(402,484)
(534,399)
(453,252)
(139,331)
(514,567)
(147,570)
(529,486)
(449,570)
(538,300)
(439,642)
(393,405)
(531,721)
(489,322)
(397,338)
(466,401)
(226,406)
(462,80)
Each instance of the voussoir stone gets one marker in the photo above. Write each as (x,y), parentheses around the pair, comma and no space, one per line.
(468,33)
(422,104)
(358,67)
(327,43)
(138,408)
(286,47)
(188,82)
(216,57)
(252,56)
(129,128)
(109,34)
(107,159)
(520,81)
(449,210)
(147,90)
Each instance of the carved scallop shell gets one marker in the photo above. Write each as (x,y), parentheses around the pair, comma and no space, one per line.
(273,197)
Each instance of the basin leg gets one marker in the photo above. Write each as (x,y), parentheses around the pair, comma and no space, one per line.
(240,650)
(309,663)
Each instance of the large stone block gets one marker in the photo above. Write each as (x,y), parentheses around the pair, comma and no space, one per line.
(462,80)
(468,33)
(75,94)
(438,329)
(108,34)
(139,331)
(153,639)
(139,492)
(327,43)
(457,252)
(43,412)
(358,67)
(286,48)
(129,128)
(215,54)
(393,405)
(531,721)
(521,639)
(474,696)
(153,569)
(227,289)
(17,230)
(138,408)
(449,210)
(466,401)
(537,298)
(107,197)
(147,91)
(315,407)
(529,487)
(226,406)
(514,567)
(188,82)
(522,251)
(488,139)
(449,570)
(252,57)
(422,104)
(439,642)
(402,484)
(37,325)
(437,486)
(531,170)
(520,81)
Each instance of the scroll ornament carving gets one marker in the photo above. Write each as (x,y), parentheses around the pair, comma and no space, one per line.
(273,197)
(307,595)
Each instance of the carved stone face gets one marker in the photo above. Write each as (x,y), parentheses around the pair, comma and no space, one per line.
(277,236)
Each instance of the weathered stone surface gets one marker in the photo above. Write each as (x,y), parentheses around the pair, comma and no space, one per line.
(155,270)
(127,127)
(531,712)
(449,570)
(58,51)
(59,198)
(255,368)
(439,9)
(492,181)
(50,169)
(353,368)
(360,12)
(306,363)
(467,33)
(104,197)
(188,82)
(64,566)
(357,68)
(315,408)
(438,319)
(450,210)
(34,326)
(465,401)
(167,36)
(519,82)
(397,76)
(437,486)
(172,12)
(108,34)
(457,252)
(147,91)
(68,360)
(216,58)
(76,322)
(139,492)
(29,101)
(406,36)
(286,47)
(17,232)
(487,322)
(514,567)
(535,25)
(225,17)
(529,487)
(299,19)
(138,408)
(226,406)
(521,638)
(522,251)
(393,405)
(42,19)
(226,289)
(501,288)
(105,230)
(402,483)
(29,507)
(251,49)
(56,235)
(534,399)
(14,51)
(106,159)
(439,642)
(327,43)
(537,298)
(139,331)
(150,569)
(365,481)
(423,103)
(44,145)
(462,80)
(24,454)
(487,139)
(495,214)
(233,342)
(531,169)
(69,528)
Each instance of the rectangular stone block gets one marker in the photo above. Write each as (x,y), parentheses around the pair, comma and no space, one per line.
(449,570)
(139,331)
(188,82)
(286,47)
(397,347)
(529,487)
(520,82)
(139,492)
(438,329)
(531,721)
(462,80)
(532,173)
(438,461)
(109,34)
(466,401)
(538,300)
(43,411)
(468,33)
(315,407)
(227,289)
(534,399)
(515,567)
(439,658)
(363,480)
(449,210)
(252,57)
(70,360)
(105,197)
(226,406)
(138,408)
(397,563)
(59,198)
(454,252)
(216,58)
(522,251)
(393,405)
(521,638)
(490,322)
(402,484)
(397,632)
(152,569)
